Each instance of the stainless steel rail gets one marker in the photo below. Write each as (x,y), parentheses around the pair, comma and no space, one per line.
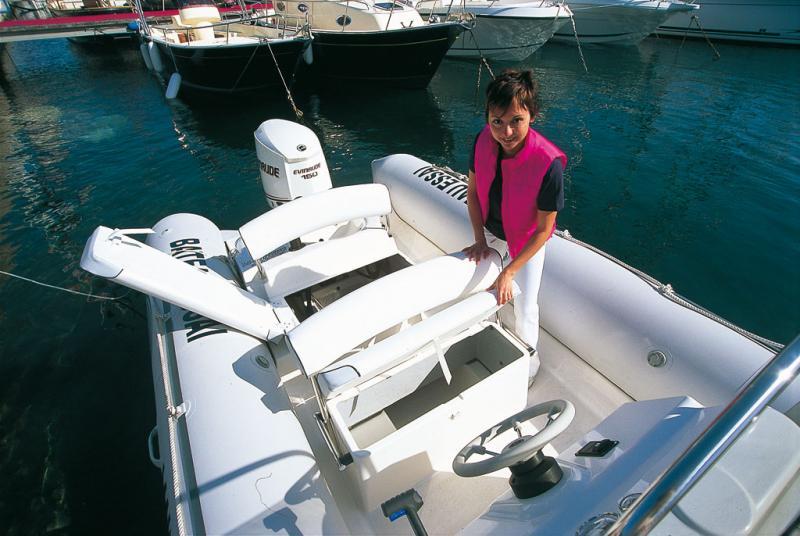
(675,482)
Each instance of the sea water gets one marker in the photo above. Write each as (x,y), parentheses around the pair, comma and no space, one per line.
(680,164)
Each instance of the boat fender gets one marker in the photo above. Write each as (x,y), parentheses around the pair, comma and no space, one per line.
(430,199)
(174,85)
(193,240)
(155,56)
(308,54)
(132,27)
(146,56)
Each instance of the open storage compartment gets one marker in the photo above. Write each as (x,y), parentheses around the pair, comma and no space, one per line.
(308,301)
(407,422)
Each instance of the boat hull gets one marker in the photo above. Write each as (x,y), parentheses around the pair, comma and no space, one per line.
(502,37)
(89,11)
(774,23)
(623,23)
(405,58)
(235,68)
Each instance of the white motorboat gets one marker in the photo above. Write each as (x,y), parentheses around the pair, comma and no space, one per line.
(504,29)
(328,368)
(372,42)
(623,22)
(754,21)
(79,8)
(200,51)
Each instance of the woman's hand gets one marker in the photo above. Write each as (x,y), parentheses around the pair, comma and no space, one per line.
(503,286)
(477,251)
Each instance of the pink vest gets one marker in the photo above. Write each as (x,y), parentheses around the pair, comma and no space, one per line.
(522,179)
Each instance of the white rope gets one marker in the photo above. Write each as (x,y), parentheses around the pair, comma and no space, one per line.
(172,430)
(578,41)
(297,112)
(696,19)
(95,296)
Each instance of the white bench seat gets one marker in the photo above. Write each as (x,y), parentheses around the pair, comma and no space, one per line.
(318,262)
(392,351)
(364,313)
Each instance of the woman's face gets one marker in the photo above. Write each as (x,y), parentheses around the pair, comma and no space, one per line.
(510,127)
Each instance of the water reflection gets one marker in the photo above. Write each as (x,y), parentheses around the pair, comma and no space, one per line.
(346,123)
(678,164)
(57,369)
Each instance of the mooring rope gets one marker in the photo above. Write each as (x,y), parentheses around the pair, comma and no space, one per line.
(577,41)
(481,64)
(297,112)
(94,296)
(696,19)
(246,65)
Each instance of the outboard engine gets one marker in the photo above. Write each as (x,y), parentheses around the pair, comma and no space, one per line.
(291,161)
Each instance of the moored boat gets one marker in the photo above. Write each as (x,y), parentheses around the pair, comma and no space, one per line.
(623,22)
(319,370)
(774,22)
(237,55)
(372,42)
(79,8)
(504,30)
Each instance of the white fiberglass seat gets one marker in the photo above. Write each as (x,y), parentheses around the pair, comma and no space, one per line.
(384,398)
(360,241)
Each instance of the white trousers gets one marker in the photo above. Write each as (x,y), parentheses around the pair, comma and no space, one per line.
(526,303)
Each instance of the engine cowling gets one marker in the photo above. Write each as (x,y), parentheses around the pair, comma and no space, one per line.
(291,161)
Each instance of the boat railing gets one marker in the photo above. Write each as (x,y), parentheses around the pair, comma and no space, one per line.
(284,25)
(666,491)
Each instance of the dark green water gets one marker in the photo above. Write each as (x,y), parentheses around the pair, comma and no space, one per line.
(685,167)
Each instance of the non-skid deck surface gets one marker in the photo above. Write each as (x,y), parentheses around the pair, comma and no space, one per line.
(452,502)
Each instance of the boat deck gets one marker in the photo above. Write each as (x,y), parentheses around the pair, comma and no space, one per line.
(452,502)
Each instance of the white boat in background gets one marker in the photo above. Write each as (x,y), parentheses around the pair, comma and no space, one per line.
(200,51)
(371,42)
(754,21)
(624,22)
(78,8)
(5,10)
(504,29)
(328,368)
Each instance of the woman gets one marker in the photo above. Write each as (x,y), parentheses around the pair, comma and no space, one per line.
(515,192)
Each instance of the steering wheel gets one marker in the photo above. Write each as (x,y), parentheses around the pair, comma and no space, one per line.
(560,414)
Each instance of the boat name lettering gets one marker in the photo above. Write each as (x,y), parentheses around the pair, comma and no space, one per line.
(449,184)
(309,172)
(270,170)
(188,251)
(200,326)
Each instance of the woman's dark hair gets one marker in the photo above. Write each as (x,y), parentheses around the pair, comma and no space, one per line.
(510,86)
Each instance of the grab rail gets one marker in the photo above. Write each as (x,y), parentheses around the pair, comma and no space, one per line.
(275,19)
(663,494)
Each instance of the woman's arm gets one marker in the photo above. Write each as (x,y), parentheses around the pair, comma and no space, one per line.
(545,221)
(479,249)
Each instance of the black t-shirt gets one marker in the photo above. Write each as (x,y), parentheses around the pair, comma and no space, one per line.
(550,198)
